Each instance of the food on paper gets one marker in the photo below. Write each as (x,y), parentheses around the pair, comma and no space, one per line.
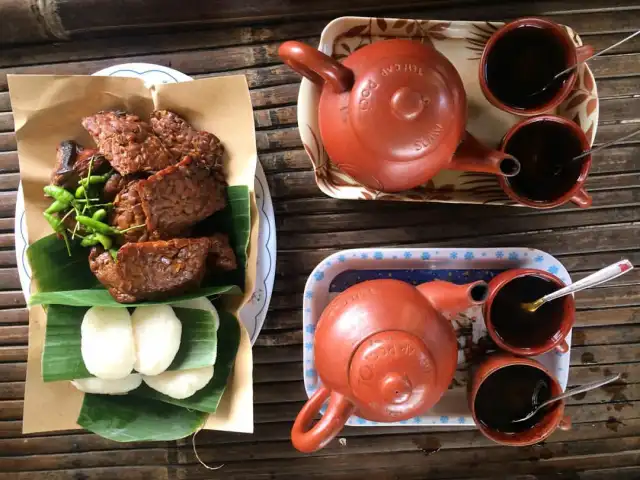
(183,140)
(127,142)
(145,182)
(156,332)
(148,270)
(107,342)
(180,384)
(72,164)
(88,183)
(221,256)
(118,386)
(200,303)
(178,197)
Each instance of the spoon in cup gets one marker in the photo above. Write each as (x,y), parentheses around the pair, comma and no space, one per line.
(570,69)
(557,168)
(604,145)
(569,393)
(597,278)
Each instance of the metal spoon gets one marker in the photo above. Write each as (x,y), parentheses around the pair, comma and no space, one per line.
(558,167)
(568,393)
(567,71)
(604,145)
(601,276)
(555,169)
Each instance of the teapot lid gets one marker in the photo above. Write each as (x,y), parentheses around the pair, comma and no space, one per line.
(407,100)
(390,374)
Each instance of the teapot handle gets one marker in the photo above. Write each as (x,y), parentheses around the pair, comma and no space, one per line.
(316,66)
(338,412)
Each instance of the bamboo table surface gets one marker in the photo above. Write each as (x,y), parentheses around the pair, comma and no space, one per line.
(605,439)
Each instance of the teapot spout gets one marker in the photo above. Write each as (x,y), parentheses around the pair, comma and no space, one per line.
(450,299)
(473,156)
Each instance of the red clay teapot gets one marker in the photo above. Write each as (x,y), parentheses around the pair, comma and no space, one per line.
(385,351)
(393,114)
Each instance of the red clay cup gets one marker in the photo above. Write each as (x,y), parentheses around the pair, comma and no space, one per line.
(556,340)
(573,55)
(553,419)
(577,193)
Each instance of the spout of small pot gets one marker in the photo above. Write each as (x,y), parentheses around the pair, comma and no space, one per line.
(473,156)
(450,299)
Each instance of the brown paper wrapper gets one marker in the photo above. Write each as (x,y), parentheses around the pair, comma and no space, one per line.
(48,109)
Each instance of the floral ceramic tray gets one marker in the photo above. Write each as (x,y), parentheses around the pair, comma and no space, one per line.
(417,265)
(462,43)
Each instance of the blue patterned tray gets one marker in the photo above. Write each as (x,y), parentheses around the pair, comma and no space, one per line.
(344,269)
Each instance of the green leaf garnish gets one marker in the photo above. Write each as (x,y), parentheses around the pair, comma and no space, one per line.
(125,418)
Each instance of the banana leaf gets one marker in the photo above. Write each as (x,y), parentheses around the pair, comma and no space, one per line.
(238,222)
(199,339)
(99,297)
(65,279)
(147,415)
(55,270)
(124,418)
(207,399)
(62,356)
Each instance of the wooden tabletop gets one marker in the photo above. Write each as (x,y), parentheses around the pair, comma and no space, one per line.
(605,439)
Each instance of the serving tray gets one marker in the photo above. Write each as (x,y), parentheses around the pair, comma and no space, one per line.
(462,43)
(417,265)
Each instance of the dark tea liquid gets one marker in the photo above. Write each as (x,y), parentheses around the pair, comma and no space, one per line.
(545,150)
(522,62)
(519,327)
(509,394)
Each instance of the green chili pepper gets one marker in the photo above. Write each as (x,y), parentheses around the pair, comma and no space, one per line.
(96,225)
(59,193)
(99,215)
(95,239)
(80,191)
(114,253)
(94,180)
(89,240)
(57,206)
(105,241)
(55,222)
(58,227)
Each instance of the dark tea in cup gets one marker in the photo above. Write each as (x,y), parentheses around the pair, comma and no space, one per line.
(518,330)
(519,327)
(549,175)
(519,64)
(522,63)
(505,388)
(510,394)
